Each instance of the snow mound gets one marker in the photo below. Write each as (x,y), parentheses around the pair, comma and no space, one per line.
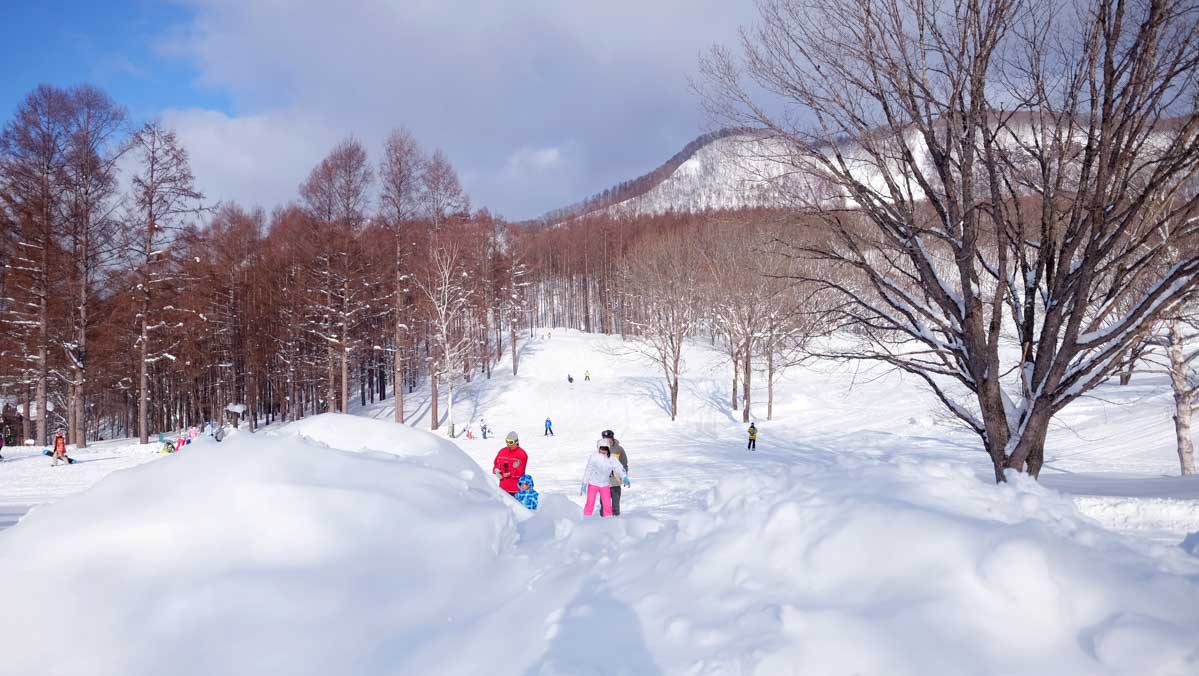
(905,568)
(264,554)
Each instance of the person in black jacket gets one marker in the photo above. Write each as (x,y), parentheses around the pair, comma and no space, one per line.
(615,482)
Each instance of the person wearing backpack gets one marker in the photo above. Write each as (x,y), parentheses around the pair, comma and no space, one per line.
(614,482)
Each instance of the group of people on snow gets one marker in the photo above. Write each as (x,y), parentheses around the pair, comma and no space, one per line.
(606,473)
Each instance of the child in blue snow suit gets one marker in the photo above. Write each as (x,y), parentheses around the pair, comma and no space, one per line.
(526,495)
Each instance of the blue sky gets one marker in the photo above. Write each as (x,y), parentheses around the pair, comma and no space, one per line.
(538,103)
(112,45)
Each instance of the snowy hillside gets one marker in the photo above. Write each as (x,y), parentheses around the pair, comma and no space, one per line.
(863,537)
(731,172)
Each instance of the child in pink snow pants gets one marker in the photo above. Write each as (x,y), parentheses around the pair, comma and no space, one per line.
(600,468)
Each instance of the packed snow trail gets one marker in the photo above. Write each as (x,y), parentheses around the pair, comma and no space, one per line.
(820,413)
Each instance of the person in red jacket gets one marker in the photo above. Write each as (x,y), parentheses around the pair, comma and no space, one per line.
(510,463)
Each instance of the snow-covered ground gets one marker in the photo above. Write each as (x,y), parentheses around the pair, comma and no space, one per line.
(863,536)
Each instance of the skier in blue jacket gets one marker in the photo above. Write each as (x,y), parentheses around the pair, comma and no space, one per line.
(526,495)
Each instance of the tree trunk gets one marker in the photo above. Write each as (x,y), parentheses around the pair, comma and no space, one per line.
(398,385)
(674,397)
(433,398)
(1184,400)
(747,363)
(1029,452)
(770,382)
(512,340)
(345,377)
(736,377)
(449,411)
(331,391)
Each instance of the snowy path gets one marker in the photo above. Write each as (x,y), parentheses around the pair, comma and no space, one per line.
(1112,451)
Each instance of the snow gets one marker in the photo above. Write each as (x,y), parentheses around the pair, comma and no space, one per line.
(862,537)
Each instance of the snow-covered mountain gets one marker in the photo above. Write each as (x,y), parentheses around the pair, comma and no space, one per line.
(743,169)
(728,169)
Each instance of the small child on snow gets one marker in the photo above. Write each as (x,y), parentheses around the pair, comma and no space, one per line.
(526,495)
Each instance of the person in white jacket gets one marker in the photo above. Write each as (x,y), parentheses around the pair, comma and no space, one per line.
(600,467)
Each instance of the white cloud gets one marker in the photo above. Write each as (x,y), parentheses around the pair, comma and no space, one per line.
(496,85)
(256,159)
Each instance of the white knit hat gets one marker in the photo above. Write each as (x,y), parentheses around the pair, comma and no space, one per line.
(512,437)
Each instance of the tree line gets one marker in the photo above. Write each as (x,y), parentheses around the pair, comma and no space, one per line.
(132,304)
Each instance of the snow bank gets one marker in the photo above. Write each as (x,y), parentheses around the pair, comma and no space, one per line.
(1164,515)
(353,546)
(264,554)
(908,568)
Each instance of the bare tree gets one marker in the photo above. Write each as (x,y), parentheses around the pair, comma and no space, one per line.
(400,173)
(163,193)
(95,125)
(33,158)
(1177,339)
(448,288)
(337,195)
(987,170)
(442,192)
(661,276)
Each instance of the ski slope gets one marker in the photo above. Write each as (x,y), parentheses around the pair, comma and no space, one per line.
(863,537)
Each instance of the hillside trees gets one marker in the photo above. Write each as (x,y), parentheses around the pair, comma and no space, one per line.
(988,172)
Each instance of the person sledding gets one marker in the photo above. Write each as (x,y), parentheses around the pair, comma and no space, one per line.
(510,463)
(600,466)
(526,495)
(60,450)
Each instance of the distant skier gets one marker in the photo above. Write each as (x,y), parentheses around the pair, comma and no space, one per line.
(1,446)
(549,428)
(526,495)
(570,379)
(60,450)
(600,466)
(586,375)
(753,438)
(614,482)
(510,463)
(483,428)
(180,443)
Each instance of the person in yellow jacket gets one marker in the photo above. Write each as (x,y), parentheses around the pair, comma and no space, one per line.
(753,438)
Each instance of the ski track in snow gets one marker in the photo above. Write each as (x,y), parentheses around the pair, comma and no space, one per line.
(1113,451)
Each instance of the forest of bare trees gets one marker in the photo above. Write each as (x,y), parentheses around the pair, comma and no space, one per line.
(133,304)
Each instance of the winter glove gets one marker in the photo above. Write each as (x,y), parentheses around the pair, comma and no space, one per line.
(626,481)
